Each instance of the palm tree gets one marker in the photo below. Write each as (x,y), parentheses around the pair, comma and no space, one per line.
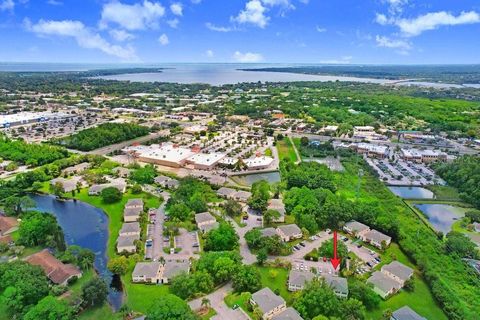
(205,303)
(162,260)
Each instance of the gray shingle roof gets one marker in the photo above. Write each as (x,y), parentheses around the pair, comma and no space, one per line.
(277,204)
(377,236)
(300,278)
(266,300)
(134,203)
(173,268)
(130,227)
(126,241)
(226,192)
(288,314)
(132,212)
(204,217)
(290,229)
(338,284)
(406,313)
(383,282)
(356,226)
(398,269)
(147,269)
(268,232)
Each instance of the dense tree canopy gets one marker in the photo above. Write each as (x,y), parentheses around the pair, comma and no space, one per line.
(50,308)
(31,154)
(42,229)
(170,307)
(103,135)
(223,238)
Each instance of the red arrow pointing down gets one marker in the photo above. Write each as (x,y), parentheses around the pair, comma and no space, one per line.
(335,261)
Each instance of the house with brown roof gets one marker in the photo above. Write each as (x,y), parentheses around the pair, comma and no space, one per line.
(57,271)
(7,225)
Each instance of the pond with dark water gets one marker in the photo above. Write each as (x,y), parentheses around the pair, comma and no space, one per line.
(87,227)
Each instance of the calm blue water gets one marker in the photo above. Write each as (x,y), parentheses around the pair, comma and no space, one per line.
(412,192)
(85,226)
(249,179)
(441,216)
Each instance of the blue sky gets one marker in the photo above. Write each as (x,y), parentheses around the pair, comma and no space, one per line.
(277,31)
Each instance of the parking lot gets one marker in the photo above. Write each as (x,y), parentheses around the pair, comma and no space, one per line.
(404,173)
(188,242)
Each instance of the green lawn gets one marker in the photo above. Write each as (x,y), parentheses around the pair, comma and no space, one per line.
(278,283)
(139,297)
(445,193)
(285,150)
(115,212)
(241,300)
(103,312)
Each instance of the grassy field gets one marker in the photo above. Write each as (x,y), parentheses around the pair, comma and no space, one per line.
(445,193)
(115,212)
(285,150)
(278,283)
(420,300)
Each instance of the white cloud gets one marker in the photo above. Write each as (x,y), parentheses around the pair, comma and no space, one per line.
(84,37)
(209,53)
(283,3)
(402,46)
(320,29)
(247,57)
(121,35)
(173,23)
(55,3)
(213,27)
(433,20)
(7,5)
(396,6)
(132,17)
(382,19)
(163,39)
(254,13)
(176,8)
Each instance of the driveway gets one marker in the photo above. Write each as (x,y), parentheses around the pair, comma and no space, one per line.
(309,246)
(157,247)
(218,304)
(247,256)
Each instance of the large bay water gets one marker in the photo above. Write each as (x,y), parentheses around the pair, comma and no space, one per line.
(210,73)
(87,227)
(441,216)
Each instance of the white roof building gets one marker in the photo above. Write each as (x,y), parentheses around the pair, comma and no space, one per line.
(166,154)
(258,162)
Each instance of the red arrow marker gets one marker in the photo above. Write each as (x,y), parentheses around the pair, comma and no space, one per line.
(335,261)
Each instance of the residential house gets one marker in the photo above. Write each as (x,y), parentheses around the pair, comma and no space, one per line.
(131,214)
(205,221)
(383,285)
(376,238)
(167,182)
(289,232)
(77,168)
(339,285)
(268,232)
(97,189)
(147,272)
(226,193)
(58,272)
(268,303)
(390,278)
(356,228)
(398,272)
(288,314)
(122,172)
(298,279)
(68,185)
(127,243)
(406,313)
(7,225)
(174,268)
(134,203)
(130,229)
(242,196)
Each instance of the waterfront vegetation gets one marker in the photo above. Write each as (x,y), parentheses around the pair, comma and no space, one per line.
(102,135)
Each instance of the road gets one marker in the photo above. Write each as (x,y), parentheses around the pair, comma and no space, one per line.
(121,145)
(456,146)
(217,303)
(247,256)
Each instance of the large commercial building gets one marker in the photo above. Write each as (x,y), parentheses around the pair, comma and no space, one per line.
(423,156)
(166,154)
(22,118)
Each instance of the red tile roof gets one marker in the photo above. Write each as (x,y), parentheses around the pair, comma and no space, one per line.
(7,223)
(55,270)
